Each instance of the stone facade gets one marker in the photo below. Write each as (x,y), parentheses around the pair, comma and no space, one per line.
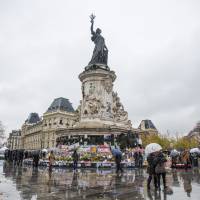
(55,121)
(32,136)
(14,140)
(39,133)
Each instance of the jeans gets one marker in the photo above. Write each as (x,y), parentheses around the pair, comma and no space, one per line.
(140,163)
(119,167)
(164,179)
(75,164)
(149,180)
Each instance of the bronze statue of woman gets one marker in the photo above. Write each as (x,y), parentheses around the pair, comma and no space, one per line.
(100,53)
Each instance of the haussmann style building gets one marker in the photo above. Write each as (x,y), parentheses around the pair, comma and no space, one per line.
(41,132)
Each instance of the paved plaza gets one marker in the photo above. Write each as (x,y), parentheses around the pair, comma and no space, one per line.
(26,183)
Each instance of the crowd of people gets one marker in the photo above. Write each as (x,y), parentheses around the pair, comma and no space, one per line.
(155,160)
(186,158)
(17,156)
(157,165)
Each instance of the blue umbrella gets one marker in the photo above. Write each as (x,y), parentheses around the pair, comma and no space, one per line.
(116,152)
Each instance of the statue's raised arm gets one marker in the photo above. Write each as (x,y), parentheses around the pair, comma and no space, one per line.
(92,23)
(100,53)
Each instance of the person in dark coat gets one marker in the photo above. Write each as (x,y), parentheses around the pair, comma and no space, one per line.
(43,155)
(21,156)
(6,155)
(194,159)
(140,160)
(15,157)
(26,154)
(160,168)
(151,170)
(136,158)
(18,157)
(118,159)
(75,157)
(36,158)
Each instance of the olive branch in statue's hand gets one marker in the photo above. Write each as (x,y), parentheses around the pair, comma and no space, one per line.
(92,16)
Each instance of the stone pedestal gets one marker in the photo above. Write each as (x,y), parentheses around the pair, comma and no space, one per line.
(100,112)
(100,105)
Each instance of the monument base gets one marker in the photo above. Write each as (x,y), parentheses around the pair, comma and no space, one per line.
(97,66)
(89,136)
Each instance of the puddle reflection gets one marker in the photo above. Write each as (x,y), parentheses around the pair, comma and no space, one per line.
(63,184)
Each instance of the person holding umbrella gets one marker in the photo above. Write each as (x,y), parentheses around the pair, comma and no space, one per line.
(151,170)
(160,168)
(174,156)
(118,158)
(150,151)
(195,154)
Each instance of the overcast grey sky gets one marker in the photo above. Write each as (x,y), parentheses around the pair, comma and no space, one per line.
(153,48)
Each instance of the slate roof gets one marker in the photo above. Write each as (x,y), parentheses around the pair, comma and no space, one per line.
(15,133)
(147,124)
(61,104)
(33,118)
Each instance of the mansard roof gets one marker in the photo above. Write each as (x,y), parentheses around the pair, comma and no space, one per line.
(15,133)
(61,104)
(146,124)
(33,118)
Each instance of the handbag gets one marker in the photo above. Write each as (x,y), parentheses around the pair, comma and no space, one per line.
(160,168)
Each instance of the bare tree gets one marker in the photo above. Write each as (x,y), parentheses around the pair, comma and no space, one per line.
(2,133)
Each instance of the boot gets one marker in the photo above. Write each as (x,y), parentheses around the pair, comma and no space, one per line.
(164,182)
(149,182)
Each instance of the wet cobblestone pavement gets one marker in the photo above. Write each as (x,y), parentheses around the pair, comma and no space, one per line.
(29,184)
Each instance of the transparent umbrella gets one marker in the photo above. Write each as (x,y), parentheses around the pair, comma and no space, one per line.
(151,148)
(44,150)
(195,150)
(3,149)
(174,153)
